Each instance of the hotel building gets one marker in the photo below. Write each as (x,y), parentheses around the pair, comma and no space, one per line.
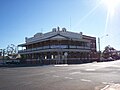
(58,47)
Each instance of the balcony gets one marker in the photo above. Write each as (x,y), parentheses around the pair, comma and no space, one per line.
(53,48)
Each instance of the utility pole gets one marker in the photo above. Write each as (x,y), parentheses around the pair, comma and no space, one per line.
(99,48)
(99,45)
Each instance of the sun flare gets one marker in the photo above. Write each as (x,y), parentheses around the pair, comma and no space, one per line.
(111,5)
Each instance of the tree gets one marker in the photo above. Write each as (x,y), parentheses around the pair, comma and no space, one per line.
(110,52)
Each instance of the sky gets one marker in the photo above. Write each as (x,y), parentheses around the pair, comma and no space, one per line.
(24,18)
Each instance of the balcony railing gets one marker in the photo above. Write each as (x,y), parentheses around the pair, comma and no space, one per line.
(54,47)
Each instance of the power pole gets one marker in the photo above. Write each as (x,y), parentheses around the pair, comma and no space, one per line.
(99,48)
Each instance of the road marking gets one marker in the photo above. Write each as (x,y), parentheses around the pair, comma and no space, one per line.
(111,87)
(105,88)
(110,83)
(68,78)
(75,73)
(90,69)
(86,80)
(60,65)
(104,82)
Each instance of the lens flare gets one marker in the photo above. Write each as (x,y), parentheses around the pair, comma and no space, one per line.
(111,5)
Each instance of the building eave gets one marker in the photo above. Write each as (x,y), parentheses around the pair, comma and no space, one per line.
(22,45)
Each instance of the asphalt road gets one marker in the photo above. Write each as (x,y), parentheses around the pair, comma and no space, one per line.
(91,76)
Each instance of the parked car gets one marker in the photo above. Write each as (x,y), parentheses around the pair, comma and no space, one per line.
(110,59)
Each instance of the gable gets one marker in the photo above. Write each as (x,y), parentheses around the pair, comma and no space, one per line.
(58,36)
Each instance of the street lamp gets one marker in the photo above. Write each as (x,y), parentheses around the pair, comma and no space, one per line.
(99,45)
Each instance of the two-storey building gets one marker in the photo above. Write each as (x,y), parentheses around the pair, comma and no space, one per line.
(59,46)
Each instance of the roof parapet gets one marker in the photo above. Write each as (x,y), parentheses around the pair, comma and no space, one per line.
(38,34)
(81,33)
(58,29)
